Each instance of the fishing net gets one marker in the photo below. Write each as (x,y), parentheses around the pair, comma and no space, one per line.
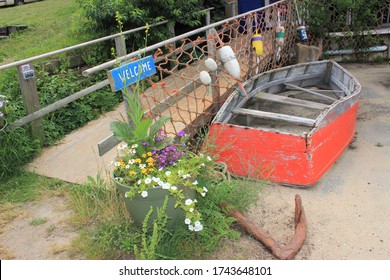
(177,89)
(185,89)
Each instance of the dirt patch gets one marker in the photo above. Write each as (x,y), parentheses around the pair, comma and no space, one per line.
(42,232)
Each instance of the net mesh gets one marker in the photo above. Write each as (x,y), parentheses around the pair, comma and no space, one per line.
(177,91)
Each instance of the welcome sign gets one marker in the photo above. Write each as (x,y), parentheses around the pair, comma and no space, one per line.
(131,73)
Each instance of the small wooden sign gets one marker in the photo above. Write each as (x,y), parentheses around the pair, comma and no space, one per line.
(131,73)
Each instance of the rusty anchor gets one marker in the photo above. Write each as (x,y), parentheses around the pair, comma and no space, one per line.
(278,250)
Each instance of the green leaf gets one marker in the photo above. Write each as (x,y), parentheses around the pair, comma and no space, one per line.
(158,124)
(141,131)
(122,131)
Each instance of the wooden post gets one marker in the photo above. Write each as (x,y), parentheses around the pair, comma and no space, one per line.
(120,47)
(30,97)
(171,28)
(212,53)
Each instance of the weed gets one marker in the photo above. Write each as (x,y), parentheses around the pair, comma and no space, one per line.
(50,228)
(37,221)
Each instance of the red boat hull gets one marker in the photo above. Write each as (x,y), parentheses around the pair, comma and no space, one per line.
(284,158)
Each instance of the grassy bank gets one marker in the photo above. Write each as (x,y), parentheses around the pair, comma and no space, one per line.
(52,25)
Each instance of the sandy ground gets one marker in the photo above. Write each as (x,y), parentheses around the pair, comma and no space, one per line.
(347,210)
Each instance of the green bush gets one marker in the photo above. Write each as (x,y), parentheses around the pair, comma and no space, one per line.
(323,16)
(101,19)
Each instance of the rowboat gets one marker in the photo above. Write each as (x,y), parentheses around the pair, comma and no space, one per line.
(291,126)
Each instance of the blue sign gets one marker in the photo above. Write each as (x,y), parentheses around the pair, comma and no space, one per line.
(131,73)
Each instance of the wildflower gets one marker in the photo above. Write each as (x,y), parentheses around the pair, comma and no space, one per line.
(148,180)
(117,164)
(205,189)
(138,160)
(187,221)
(188,202)
(144,194)
(142,166)
(191,227)
(181,133)
(139,182)
(131,161)
(168,173)
(195,182)
(134,146)
(209,158)
(185,176)
(198,226)
(144,171)
(191,210)
(203,194)
(127,166)
(132,172)
(166,186)
(174,188)
(149,154)
(143,155)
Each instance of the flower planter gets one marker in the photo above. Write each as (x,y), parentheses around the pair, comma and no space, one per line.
(139,206)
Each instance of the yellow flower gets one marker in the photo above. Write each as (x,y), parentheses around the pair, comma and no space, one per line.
(132,172)
(144,171)
(150,160)
(138,160)
(149,154)
(151,169)
(150,164)
(143,155)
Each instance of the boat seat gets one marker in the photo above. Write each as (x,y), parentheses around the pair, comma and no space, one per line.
(290,101)
(275,116)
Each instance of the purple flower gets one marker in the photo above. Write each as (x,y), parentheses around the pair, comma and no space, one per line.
(181,133)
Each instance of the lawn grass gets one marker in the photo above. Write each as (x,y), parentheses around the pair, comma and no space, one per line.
(52,25)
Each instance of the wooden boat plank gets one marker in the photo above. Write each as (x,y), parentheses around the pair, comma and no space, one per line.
(309,91)
(275,116)
(290,101)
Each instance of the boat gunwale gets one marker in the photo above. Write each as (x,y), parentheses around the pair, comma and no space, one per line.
(349,92)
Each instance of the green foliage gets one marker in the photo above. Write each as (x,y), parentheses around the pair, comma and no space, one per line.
(26,186)
(322,17)
(37,221)
(111,235)
(150,242)
(102,20)
(16,149)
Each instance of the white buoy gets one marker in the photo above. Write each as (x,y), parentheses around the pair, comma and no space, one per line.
(229,61)
(205,78)
(211,64)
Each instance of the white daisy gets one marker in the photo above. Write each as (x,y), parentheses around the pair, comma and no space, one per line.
(188,202)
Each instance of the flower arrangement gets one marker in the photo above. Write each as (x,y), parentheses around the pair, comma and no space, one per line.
(3,101)
(150,159)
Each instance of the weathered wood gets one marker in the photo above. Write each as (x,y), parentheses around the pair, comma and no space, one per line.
(275,116)
(59,104)
(30,100)
(278,250)
(290,101)
(107,144)
(310,91)
(120,47)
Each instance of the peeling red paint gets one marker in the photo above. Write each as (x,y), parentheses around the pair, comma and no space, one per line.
(283,158)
